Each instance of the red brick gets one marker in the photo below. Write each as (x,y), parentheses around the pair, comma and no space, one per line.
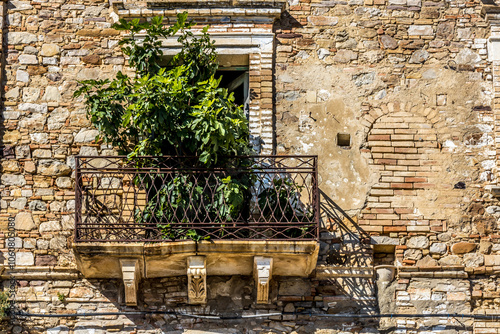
(379,137)
(415,179)
(385,161)
(402,185)
(395,229)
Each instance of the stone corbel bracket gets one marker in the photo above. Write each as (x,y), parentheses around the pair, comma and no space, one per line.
(255,10)
(131,277)
(263,267)
(197,279)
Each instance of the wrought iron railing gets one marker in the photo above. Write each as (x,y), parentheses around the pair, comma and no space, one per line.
(166,198)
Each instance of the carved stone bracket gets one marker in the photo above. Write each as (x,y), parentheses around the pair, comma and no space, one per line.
(262,271)
(131,277)
(197,279)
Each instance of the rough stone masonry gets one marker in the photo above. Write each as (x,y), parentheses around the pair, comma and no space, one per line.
(398,98)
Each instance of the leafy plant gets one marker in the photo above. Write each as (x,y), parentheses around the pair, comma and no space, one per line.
(280,201)
(61,297)
(4,304)
(178,109)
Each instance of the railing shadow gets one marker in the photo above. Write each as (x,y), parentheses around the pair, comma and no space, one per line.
(346,251)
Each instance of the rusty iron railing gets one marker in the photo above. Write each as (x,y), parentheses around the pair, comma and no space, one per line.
(155,199)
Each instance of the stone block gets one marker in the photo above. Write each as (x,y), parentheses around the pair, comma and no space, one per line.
(492,260)
(420,30)
(25,259)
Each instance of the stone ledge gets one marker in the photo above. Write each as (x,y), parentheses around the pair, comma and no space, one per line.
(325,272)
(40,273)
(224,257)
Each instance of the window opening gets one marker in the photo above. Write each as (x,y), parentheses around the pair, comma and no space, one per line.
(235,80)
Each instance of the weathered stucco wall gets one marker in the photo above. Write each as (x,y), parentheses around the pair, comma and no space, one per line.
(409,81)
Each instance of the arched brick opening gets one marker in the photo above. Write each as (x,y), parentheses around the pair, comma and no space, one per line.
(406,154)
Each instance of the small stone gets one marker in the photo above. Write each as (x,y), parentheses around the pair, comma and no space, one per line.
(445,30)
(11,137)
(427,262)
(45,260)
(37,205)
(70,61)
(485,247)
(289,308)
(31,94)
(14,38)
(29,167)
(24,221)
(52,94)
(13,180)
(438,248)
(418,242)
(10,166)
(444,237)
(86,136)
(39,137)
(19,203)
(419,56)
(323,53)
(92,59)
(88,73)
(450,260)
(295,287)
(323,20)
(57,118)
(345,56)
(53,168)
(114,61)
(50,61)
(420,30)
(58,330)
(58,243)
(64,182)
(413,254)
(39,153)
(16,5)
(473,260)
(42,244)
(25,259)
(28,59)
(49,50)
(467,57)
(34,122)
(29,243)
(22,76)
(50,226)
(81,293)
(388,42)
(13,94)
(463,247)
(33,107)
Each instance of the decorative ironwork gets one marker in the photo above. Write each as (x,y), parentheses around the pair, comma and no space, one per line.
(119,200)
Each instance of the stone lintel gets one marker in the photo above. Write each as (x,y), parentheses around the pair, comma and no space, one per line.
(263,267)
(197,279)
(131,277)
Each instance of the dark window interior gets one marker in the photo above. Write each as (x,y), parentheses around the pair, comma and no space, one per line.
(236,81)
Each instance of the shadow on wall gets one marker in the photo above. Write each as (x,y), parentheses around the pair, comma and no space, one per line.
(347,285)
(344,243)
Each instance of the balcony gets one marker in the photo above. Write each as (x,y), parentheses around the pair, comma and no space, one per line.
(161,217)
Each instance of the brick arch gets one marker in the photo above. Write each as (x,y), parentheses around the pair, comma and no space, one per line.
(405,154)
(431,114)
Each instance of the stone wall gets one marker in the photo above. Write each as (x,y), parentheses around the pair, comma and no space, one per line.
(407,82)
